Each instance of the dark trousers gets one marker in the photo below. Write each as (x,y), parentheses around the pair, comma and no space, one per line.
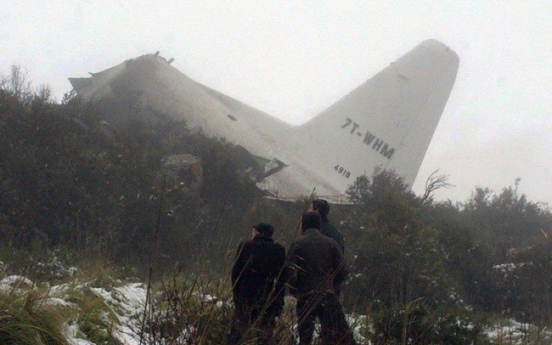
(254,318)
(327,308)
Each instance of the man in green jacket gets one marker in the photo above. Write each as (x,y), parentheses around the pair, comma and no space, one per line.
(315,268)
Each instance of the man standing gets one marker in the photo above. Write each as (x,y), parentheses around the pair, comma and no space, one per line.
(314,267)
(326,227)
(259,262)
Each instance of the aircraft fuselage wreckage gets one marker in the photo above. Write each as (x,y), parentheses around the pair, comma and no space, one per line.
(386,122)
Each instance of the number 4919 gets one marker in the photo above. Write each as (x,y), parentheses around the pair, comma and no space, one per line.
(342,171)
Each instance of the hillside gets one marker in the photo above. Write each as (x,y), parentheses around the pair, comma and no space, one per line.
(108,199)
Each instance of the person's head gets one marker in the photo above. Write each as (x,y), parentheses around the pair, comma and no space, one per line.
(264,229)
(322,207)
(310,220)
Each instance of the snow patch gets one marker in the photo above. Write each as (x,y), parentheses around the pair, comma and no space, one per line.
(127,303)
(71,333)
(15,283)
(516,333)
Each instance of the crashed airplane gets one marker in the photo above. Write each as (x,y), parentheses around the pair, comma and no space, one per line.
(386,122)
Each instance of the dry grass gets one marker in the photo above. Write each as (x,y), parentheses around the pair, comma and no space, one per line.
(26,320)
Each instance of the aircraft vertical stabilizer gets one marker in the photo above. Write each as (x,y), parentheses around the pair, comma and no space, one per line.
(388,121)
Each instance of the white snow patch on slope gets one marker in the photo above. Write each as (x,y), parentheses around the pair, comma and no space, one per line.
(127,303)
(516,333)
(12,283)
(71,332)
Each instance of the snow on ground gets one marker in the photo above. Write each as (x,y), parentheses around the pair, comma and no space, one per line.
(510,267)
(71,332)
(15,284)
(127,302)
(517,333)
(358,324)
(59,302)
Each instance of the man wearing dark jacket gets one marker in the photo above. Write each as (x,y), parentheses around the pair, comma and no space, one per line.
(259,262)
(326,227)
(315,266)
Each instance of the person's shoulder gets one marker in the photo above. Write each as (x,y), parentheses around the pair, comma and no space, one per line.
(328,240)
(310,239)
(279,250)
(296,243)
(325,243)
(245,244)
(299,240)
(329,229)
(328,225)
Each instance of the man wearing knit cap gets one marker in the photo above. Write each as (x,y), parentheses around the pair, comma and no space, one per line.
(257,301)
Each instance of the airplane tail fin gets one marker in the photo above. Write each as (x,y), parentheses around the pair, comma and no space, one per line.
(388,121)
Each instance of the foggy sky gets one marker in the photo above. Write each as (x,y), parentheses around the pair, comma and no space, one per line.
(294,58)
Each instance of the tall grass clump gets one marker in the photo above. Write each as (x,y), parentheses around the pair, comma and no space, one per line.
(192,309)
(26,319)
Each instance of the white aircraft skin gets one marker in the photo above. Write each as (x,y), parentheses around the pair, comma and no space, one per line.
(386,122)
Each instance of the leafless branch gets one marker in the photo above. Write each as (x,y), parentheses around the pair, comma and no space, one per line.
(433,183)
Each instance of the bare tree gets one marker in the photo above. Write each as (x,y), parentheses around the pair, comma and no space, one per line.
(17,83)
(43,93)
(433,183)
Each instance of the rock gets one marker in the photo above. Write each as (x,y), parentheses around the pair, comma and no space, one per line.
(183,170)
